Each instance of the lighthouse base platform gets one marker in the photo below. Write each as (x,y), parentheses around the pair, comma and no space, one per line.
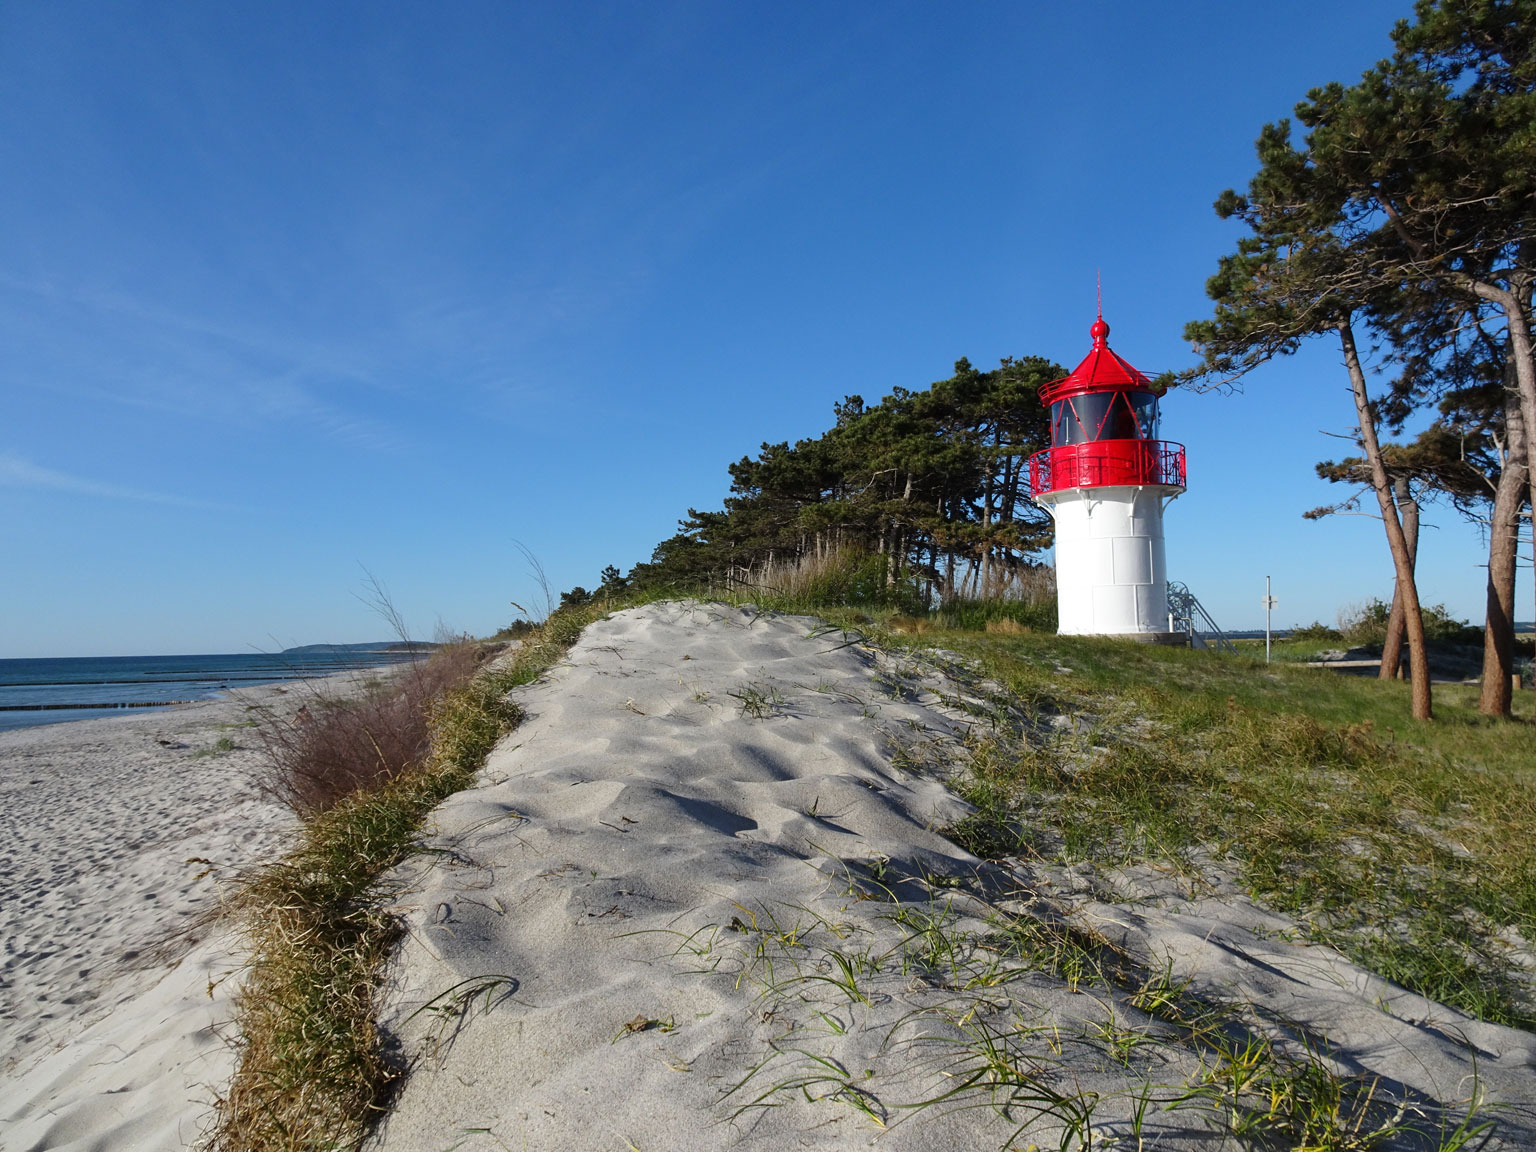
(1164,639)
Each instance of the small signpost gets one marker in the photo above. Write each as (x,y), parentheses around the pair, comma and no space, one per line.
(1269,606)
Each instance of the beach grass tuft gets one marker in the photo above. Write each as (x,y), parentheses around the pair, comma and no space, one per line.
(336,745)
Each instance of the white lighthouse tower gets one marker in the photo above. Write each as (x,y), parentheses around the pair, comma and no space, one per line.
(1105,480)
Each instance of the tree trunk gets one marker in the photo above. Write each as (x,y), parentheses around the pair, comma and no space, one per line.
(1503,548)
(986,520)
(1515,303)
(1515,306)
(1392,648)
(1418,657)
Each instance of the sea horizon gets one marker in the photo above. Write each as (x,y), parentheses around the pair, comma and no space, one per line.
(36,691)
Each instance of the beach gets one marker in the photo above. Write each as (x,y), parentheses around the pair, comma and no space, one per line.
(116,835)
(705,896)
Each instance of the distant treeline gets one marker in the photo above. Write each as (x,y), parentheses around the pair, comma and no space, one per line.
(923,496)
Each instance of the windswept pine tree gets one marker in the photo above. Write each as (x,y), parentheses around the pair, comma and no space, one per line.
(925,493)
(1408,211)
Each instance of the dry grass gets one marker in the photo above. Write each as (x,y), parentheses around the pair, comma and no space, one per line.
(336,744)
(1006,626)
(810,577)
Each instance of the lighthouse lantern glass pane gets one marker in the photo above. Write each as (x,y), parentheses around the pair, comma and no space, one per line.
(1066,428)
(1145,406)
(1118,423)
(1090,410)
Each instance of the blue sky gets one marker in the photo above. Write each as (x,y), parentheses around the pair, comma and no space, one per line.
(291,291)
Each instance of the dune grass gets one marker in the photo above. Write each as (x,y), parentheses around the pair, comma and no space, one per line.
(312,1071)
(1407,846)
(340,744)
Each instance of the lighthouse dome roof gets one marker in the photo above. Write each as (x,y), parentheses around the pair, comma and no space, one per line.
(1102,370)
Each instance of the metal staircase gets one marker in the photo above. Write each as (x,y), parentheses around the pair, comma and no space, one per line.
(1186,614)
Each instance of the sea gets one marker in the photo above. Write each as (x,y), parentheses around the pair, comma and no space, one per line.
(54,691)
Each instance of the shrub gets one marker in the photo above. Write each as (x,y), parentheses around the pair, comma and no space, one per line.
(1316,632)
(1443,628)
(337,745)
(1366,625)
(575,598)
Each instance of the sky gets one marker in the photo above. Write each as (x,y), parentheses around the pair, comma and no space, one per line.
(293,296)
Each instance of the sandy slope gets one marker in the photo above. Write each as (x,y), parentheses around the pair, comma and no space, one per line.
(704,898)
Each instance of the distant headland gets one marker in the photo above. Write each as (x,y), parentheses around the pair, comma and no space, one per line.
(381,646)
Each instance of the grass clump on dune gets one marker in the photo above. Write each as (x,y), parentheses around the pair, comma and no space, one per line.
(312,1069)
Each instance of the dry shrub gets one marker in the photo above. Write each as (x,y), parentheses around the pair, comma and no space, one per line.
(806,577)
(337,745)
(1007,626)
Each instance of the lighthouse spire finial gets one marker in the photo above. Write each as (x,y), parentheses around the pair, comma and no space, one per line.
(1100,330)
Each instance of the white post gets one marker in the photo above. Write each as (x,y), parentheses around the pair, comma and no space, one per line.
(1269,606)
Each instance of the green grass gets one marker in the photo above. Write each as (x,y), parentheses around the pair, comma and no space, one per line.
(1408,846)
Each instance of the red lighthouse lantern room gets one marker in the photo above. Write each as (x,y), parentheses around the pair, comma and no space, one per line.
(1105,480)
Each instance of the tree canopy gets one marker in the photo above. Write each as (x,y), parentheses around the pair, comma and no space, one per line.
(1407,212)
(932,482)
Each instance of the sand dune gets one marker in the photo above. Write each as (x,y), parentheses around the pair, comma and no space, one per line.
(701,899)
(706,898)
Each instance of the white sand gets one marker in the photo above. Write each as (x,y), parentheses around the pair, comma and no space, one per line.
(111,997)
(680,912)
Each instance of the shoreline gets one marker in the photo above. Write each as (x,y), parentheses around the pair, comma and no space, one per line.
(118,835)
(36,692)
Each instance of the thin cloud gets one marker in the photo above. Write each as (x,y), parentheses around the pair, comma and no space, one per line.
(16,472)
(194,368)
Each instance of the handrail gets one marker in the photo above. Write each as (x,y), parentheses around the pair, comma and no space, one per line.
(1105,463)
(1184,609)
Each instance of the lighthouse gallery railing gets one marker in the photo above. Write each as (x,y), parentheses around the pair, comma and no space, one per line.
(1107,462)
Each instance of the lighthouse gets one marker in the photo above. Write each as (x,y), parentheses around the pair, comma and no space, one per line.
(1105,480)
